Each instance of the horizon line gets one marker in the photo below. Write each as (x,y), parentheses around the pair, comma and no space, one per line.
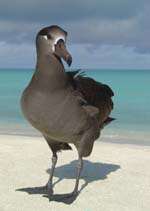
(76,68)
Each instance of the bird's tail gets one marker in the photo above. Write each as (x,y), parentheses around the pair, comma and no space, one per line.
(108,121)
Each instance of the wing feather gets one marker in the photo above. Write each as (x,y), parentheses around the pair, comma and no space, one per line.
(94,93)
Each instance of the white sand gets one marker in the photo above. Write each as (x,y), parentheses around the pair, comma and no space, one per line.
(115,177)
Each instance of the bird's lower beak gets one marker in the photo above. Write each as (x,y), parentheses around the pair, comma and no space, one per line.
(68,59)
(62,52)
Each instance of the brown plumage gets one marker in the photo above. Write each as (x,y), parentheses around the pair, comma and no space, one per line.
(65,107)
(94,93)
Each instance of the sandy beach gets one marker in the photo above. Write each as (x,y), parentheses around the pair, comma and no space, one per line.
(116,177)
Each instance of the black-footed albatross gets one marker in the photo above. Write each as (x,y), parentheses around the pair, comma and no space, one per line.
(64,107)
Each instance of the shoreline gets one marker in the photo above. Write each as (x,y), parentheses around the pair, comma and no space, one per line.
(112,176)
(117,138)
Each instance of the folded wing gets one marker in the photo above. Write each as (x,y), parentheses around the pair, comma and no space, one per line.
(94,93)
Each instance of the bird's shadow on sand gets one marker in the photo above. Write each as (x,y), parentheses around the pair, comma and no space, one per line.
(91,172)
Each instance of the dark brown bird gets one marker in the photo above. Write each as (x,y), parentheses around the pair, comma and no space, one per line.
(64,107)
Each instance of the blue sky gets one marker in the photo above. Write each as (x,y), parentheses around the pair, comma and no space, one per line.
(101,33)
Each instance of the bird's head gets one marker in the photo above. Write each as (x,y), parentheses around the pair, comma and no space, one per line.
(52,40)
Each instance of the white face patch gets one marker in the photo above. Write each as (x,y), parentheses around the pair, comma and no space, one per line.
(56,40)
(59,38)
(45,37)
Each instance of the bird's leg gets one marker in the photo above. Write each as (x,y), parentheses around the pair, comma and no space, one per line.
(50,181)
(79,169)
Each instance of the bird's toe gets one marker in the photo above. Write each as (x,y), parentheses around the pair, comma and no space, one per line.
(72,194)
(49,189)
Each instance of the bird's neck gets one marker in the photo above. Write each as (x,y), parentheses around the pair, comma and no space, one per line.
(50,71)
(48,61)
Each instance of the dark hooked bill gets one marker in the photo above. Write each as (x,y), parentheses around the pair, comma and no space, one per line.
(62,52)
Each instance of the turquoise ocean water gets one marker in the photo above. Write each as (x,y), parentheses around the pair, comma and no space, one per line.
(131,110)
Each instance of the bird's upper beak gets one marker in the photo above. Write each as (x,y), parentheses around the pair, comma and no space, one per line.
(61,52)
